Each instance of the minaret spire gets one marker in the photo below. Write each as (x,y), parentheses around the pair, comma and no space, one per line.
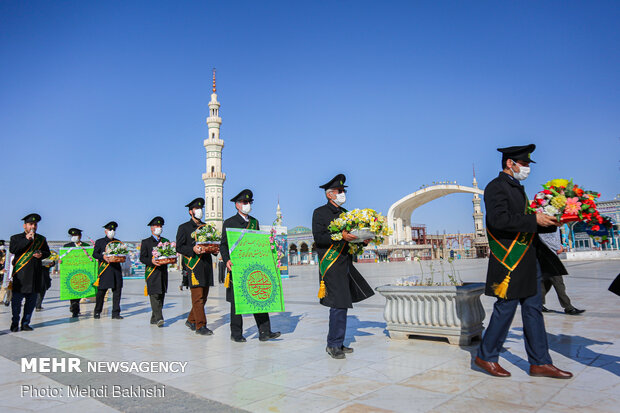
(214,88)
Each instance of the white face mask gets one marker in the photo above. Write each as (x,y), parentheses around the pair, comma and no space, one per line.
(110,233)
(524,172)
(157,231)
(75,238)
(341,198)
(198,213)
(246,208)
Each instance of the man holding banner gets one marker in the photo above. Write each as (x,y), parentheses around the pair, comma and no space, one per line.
(156,274)
(76,242)
(197,265)
(243,202)
(344,284)
(109,274)
(28,248)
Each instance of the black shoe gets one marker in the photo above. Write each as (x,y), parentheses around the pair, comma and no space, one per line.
(97,316)
(269,336)
(204,331)
(346,349)
(160,323)
(545,309)
(335,352)
(238,339)
(14,328)
(117,317)
(75,315)
(153,322)
(191,326)
(26,327)
(574,311)
(38,309)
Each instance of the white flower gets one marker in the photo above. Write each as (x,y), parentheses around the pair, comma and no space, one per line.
(551,210)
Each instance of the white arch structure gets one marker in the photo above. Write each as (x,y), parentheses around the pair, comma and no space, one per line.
(399,214)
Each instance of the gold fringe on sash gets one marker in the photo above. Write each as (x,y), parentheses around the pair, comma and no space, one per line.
(227,280)
(322,291)
(500,290)
(194,279)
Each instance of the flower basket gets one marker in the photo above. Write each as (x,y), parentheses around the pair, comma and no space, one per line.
(366,224)
(207,235)
(209,247)
(166,260)
(116,258)
(567,202)
(362,234)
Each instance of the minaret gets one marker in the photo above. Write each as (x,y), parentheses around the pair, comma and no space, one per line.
(214,177)
(478,217)
(278,221)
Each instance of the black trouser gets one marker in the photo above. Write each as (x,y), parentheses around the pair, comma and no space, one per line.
(40,298)
(116,301)
(557,281)
(236,321)
(75,306)
(16,306)
(157,303)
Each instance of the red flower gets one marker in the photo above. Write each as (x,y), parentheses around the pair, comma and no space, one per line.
(599,219)
(595,228)
(578,191)
(533,205)
(546,192)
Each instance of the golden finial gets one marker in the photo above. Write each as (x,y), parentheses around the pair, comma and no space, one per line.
(213,80)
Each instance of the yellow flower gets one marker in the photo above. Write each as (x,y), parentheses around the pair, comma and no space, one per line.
(559,201)
(558,182)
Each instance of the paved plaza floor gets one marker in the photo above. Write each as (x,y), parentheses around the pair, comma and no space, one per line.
(294,374)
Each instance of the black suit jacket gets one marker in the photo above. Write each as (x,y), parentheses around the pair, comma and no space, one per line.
(157,282)
(30,278)
(505,202)
(112,277)
(203,270)
(343,282)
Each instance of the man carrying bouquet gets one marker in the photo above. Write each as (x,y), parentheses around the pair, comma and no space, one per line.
(109,273)
(243,202)
(155,273)
(514,273)
(340,281)
(197,265)
(28,249)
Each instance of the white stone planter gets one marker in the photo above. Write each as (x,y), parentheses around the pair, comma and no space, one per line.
(453,312)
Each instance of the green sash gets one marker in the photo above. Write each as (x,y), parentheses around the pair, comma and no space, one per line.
(330,258)
(252,224)
(25,258)
(509,257)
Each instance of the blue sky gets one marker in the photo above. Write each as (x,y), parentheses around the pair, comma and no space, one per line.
(103,104)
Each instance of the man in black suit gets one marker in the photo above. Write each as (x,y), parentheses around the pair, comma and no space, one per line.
(343,284)
(28,248)
(198,267)
(242,219)
(155,274)
(76,241)
(110,274)
(514,273)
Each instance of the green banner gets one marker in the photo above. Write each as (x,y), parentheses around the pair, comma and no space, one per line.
(78,272)
(257,283)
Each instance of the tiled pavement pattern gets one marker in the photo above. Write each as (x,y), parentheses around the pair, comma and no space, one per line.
(294,374)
